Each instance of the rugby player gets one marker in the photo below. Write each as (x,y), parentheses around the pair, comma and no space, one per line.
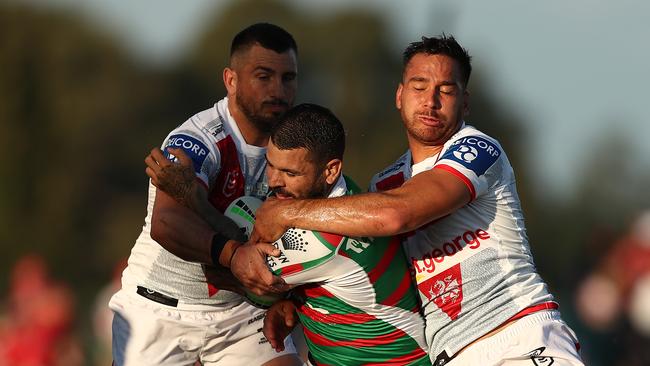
(355,298)
(453,197)
(172,308)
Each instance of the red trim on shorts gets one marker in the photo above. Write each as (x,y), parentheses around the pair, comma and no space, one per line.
(460,176)
(551,305)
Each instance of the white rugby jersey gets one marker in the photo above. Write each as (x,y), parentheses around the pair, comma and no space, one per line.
(473,268)
(229,168)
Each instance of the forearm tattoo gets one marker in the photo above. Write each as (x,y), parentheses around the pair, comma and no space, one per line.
(176,180)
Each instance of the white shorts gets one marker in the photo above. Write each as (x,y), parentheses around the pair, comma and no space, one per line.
(534,340)
(148,333)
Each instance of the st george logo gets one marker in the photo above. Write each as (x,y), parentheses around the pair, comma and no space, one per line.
(466,153)
(445,290)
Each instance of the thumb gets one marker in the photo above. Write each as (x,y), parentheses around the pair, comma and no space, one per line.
(158,156)
(290,320)
(181,155)
(268,249)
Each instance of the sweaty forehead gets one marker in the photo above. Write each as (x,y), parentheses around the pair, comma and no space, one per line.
(297,160)
(436,67)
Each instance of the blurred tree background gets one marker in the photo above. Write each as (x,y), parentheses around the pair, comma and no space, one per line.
(78,115)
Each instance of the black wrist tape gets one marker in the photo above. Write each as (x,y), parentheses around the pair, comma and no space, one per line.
(218,243)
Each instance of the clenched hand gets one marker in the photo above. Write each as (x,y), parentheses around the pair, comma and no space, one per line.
(268,221)
(249,265)
(175,179)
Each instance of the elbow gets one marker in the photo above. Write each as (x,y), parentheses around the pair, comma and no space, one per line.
(159,230)
(393,221)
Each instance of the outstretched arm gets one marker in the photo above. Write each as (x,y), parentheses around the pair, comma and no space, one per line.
(426,197)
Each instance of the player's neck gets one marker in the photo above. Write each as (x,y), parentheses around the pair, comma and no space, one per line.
(419,151)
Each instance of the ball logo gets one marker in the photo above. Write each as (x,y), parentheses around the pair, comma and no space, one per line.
(466,153)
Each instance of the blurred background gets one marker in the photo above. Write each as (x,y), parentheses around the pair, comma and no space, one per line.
(88,87)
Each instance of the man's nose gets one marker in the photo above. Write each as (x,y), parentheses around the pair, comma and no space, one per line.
(274,179)
(432,100)
(278,89)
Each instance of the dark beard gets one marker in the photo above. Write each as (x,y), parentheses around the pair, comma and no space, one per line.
(320,189)
(263,124)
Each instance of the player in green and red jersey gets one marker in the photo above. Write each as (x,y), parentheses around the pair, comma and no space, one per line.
(354,296)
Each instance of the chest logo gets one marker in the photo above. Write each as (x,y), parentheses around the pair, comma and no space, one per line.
(445,290)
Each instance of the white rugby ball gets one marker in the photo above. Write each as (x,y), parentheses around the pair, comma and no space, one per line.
(242,212)
(301,250)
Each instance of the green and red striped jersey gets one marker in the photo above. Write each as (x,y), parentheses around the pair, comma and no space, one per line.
(357,303)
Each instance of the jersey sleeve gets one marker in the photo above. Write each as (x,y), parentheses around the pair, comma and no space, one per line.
(470,158)
(194,144)
(303,255)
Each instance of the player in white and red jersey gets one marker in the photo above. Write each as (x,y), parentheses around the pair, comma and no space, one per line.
(473,267)
(453,197)
(172,308)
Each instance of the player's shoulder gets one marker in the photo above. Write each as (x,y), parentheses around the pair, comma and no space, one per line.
(471,135)
(472,153)
(472,141)
(201,131)
(392,176)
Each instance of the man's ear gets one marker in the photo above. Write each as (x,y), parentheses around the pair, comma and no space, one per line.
(230,81)
(398,96)
(333,170)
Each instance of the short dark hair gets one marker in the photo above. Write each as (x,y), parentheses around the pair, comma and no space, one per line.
(441,45)
(268,35)
(311,127)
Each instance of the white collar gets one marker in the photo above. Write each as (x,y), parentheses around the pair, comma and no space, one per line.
(231,125)
(339,189)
